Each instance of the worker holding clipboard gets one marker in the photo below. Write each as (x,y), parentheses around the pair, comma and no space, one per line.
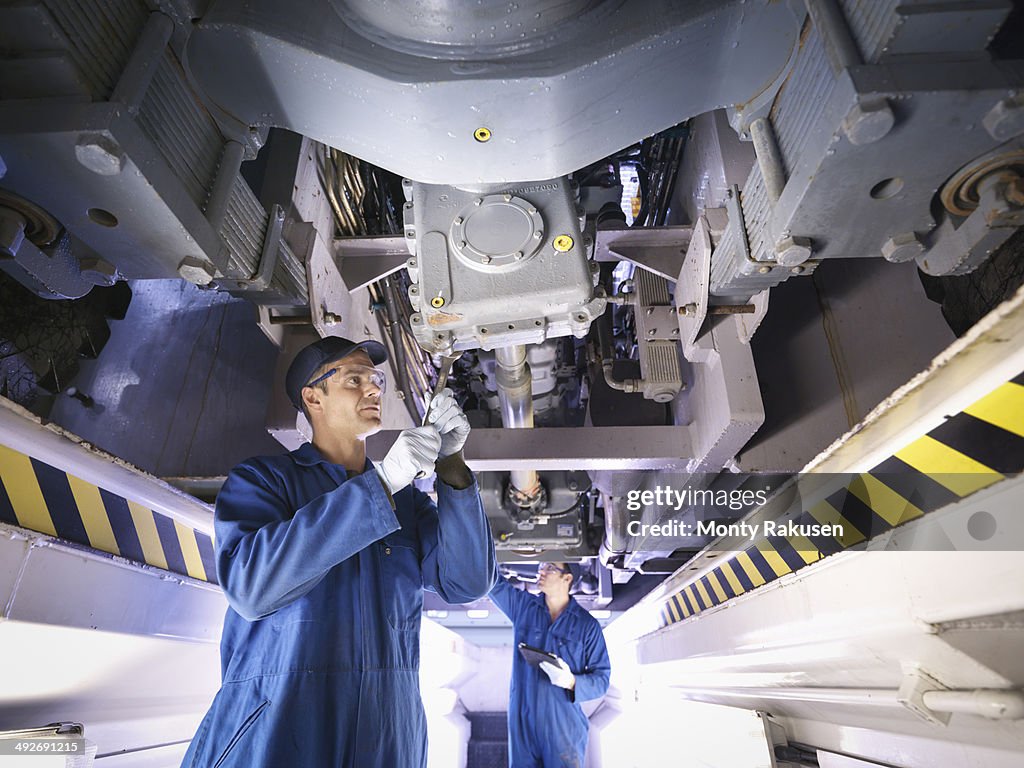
(561,660)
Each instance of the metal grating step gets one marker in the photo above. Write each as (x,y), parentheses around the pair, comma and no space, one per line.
(488,743)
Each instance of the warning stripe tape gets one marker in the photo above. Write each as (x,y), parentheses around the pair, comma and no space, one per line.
(972,450)
(42,498)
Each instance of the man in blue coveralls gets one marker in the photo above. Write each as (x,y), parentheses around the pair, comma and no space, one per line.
(546,726)
(323,556)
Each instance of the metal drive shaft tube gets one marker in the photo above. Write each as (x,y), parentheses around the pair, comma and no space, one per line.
(515,393)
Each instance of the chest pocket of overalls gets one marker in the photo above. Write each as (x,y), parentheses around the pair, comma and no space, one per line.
(569,648)
(401,580)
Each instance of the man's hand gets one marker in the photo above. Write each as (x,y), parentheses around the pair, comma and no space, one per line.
(452,424)
(559,673)
(414,451)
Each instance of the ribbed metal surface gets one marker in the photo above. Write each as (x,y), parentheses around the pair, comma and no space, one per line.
(182,131)
(651,289)
(798,107)
(659,362)
(101,35)
(290,276)
(731,273)
(872,23)
(244,230)
(756,213)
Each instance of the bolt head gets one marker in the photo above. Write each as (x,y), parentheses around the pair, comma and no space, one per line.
(98,271)
(791,251)
(764,270)
(196,271)
(1006,119)
(868,122)
(100,153)
(902,247)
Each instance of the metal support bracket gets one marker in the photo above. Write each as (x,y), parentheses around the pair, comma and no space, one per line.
(692,282)
(911,695)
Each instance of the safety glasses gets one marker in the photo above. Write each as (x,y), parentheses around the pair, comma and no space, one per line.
(354,377)
(551,568)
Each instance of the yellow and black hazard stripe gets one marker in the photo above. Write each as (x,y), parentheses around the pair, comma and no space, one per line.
(42,498)
(972,450)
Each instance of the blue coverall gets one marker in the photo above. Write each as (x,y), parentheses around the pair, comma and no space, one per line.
(324,578)
(546,725)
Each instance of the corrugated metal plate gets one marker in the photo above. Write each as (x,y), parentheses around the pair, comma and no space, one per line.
(101,34)
(185,135)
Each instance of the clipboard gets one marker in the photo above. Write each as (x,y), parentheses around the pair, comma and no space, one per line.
(534,656)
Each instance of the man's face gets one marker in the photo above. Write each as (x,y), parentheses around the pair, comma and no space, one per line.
(349,401)
(553,579)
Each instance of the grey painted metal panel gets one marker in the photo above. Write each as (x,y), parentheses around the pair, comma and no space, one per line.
(577,448)
(553,103)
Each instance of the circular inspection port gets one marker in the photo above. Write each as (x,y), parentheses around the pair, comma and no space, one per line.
(102,217)
(482,134)
(887,188)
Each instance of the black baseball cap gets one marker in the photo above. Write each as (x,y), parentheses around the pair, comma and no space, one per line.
(327,350)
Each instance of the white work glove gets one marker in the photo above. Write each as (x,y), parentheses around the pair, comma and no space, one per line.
(559,673)
(414,451)
(451,422)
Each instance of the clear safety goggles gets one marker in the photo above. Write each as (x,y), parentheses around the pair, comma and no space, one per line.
(551,568)
(354,377)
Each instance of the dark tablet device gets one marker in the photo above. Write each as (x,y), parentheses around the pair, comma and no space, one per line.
(534,656)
